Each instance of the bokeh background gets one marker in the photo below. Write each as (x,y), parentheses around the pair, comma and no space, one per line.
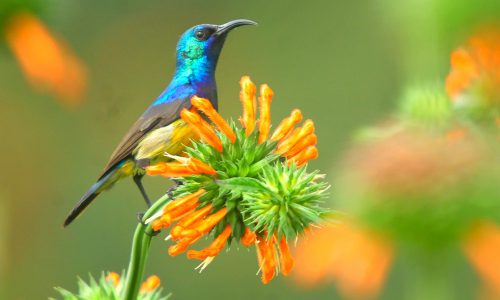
(344,63)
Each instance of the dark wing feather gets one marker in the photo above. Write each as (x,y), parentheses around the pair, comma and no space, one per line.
(154,117)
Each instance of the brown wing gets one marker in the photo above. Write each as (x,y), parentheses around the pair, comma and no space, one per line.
(154,117)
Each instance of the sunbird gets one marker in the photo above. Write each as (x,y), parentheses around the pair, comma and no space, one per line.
(159,130)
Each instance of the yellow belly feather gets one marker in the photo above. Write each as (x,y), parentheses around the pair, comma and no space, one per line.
(170,139)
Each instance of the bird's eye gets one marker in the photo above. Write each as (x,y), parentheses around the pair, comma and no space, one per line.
(201,35)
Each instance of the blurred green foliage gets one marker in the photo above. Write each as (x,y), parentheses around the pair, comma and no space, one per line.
(426,107)
(10,7)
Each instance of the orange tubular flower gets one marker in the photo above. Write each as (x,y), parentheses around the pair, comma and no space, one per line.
(190,231)
(169,170)
(481,248)
(287,143)
(266,254)
(214,248)
(181,246)
(265,112)
(204,130)
(357,259)
(205,226)
(464,71)
(206,107)
(285,257)
(196,214)
(267,258)
(189,220)
(309,140)
(176,210)
(201,168)
(287,125)
(301,158)
(475,70)
(114,278)
(46,62)
(192,167)
(248,238)
(183,202)
(151,284)
(247,97)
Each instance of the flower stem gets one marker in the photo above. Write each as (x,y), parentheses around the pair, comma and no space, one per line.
(140,249)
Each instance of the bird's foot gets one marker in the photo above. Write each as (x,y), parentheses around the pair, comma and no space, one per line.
(170,191)
(140,217)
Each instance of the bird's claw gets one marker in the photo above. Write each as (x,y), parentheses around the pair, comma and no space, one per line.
(140,217)
(170,191)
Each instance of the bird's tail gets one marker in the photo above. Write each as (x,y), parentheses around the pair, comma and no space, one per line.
(102,184)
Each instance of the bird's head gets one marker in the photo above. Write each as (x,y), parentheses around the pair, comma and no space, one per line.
(201,45)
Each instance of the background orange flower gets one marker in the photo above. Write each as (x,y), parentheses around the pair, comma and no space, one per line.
(48,64)
(357,260)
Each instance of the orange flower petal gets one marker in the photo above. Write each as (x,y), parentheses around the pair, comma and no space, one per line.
(114,278)
(170,170)
(204,226)
(288,142)
(181,246)
(476,65)
(156,169)
(267,258)
(248,238)
(46,62)
(287,125)
(173,169)
(186,201)
(481,247)
(247,97)
(463,71)
(358,260)
(151,284)
(265,112)
(303,157)
(202,128)
(192,218)
(315,255)
(206,107)
(286,258)
(463,61)
(309,140)
(162,222)
(177,209)
(201,167)
(483,51)
(214,248)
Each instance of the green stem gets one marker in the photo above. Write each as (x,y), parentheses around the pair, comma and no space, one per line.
(140,249)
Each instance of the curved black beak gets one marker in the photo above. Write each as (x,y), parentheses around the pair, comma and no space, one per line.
(224,28)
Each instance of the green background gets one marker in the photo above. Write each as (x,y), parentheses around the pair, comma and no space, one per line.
(343,63)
